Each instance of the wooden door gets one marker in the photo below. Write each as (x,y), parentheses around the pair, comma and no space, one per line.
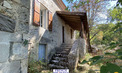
(42,53)
(63,34)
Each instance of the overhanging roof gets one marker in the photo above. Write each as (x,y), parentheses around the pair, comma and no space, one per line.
(74,19)
(60,4)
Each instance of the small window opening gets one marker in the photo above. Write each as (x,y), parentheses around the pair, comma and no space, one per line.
(71,33)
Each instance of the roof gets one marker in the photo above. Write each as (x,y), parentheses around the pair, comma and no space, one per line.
(60,4)
(74,19)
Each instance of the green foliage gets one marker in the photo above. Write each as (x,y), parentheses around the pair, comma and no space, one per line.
(84,61)
(25,42)
(67,8)
(110,68)
(104,35)
(116,14)
(91,71)
(37,67)
(111,32)
(69,1)
(107,33)
(119,2)
(112,45)
(108,65)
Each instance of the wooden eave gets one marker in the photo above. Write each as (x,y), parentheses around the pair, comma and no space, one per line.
(60,4)
(74,19)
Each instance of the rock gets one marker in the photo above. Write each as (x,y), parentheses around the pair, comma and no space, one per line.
(24,65)
(14,67)
(5,37)
(11,67)
(81,68)
(4,52)
(82,48)
(19,52)
(16,37)
(24,2)
(94,48)
(7,5)
(6,23)
(77,52)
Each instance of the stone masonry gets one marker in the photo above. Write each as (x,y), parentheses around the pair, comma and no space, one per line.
(14,53)
(14,23)
(53,38)
(77,52)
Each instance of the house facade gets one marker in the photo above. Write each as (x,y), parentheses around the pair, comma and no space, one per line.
(52,30)
(33,29)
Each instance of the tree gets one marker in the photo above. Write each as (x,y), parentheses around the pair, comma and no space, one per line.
(106,34)
(109,63)
(115,20)
(91,7)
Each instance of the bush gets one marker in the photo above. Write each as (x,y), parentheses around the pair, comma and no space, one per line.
(37,67)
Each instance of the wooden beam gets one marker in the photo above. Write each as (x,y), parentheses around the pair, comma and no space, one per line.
(74,19)
(71,13)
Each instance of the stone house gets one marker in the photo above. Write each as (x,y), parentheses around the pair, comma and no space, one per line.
(55,26)
(34,29)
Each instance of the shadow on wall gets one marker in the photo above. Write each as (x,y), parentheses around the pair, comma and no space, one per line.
(46,37)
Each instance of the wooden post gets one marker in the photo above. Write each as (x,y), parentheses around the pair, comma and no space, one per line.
(81,31)
(89,46)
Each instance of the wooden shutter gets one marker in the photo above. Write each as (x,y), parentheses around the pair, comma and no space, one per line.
(36,16)
(50,21)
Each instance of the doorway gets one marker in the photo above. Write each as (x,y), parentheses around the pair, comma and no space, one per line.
(42,52)
(63,34)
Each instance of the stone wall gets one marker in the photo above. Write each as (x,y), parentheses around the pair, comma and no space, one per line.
(17,10)
(77,52)
(13,53)
(52,38)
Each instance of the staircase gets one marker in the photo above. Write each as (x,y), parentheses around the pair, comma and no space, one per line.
(60,58)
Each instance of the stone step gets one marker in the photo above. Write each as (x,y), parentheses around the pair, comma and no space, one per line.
(62,52)
(60,59)
(66,44)
(60,63)
(53,66)
(65,47)
(57,61)
(61,55)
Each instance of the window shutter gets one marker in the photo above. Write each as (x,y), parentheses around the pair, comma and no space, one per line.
(50,21)
(36,16)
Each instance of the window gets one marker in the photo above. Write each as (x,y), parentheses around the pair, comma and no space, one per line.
(44,18)
(41,18)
